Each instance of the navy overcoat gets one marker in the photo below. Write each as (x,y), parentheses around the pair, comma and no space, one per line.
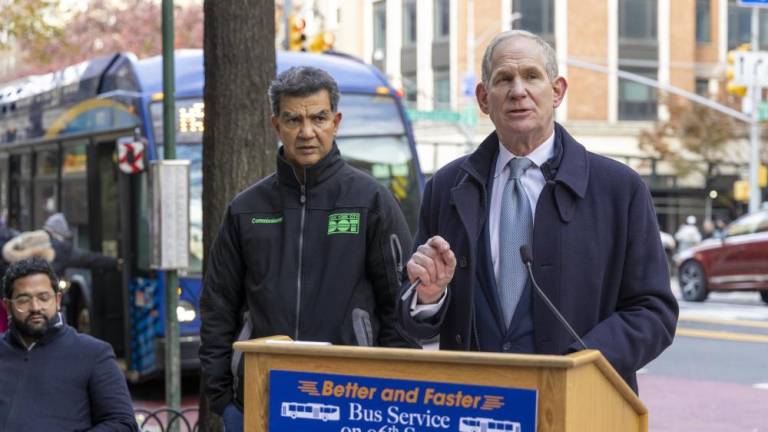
(597,254)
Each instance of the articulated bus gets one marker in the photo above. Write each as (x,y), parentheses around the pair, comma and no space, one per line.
(58,138)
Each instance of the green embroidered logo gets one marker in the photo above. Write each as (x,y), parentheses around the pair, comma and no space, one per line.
(276,220)
(344,223)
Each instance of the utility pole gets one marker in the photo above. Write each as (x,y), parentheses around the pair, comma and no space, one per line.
(287,11)
(755,194)
(172,350)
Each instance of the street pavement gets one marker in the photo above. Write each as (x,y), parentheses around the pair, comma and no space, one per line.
(714,377)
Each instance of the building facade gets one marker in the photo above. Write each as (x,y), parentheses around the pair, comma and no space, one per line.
(432,50)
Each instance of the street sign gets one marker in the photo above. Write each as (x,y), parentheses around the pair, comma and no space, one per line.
(751,68)
(753,3)
(762,112)
(435,115)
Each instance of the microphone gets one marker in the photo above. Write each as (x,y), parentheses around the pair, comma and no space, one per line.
(525,255)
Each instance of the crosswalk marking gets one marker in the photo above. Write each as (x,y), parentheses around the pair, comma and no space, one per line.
(722,335)
(724,321)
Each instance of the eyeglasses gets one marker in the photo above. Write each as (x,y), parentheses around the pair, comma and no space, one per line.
(23,303)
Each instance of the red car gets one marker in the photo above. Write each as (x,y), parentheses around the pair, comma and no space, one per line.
(738,260)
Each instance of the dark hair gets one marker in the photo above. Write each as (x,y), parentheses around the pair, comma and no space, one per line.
(302,81)
(28,267)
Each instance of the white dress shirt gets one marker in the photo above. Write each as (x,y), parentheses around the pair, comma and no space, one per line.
(533,183)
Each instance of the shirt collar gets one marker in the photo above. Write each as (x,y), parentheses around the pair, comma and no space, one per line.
(538,156)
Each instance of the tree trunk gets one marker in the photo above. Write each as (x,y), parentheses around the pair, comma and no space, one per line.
(239,145)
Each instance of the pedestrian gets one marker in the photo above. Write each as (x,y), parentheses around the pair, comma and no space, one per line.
(53,378)
(314,250)
(688,234)
(54,243)
(67,254)
(588,220)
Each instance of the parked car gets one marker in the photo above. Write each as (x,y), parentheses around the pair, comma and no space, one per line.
(737,261)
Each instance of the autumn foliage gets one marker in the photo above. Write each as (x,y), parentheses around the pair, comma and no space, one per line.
(103,27)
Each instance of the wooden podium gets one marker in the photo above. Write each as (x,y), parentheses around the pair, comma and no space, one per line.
(579,392)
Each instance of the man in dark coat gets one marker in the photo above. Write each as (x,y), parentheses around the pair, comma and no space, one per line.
(314,251)
(588,220)
(53,378)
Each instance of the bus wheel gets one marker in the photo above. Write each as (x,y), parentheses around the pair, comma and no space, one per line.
(764,295)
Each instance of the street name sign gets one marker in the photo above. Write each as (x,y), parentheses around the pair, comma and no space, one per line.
(762,112)
(753,3)
(751,68)
(320,402)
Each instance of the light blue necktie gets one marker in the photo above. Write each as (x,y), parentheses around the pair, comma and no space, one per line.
(515,230)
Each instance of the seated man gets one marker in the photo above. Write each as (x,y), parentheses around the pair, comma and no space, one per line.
(53,378)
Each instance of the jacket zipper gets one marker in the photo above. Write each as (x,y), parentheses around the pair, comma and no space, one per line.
(397,256)
(303,201)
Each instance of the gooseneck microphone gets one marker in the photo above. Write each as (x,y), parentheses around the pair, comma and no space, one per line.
(525,255)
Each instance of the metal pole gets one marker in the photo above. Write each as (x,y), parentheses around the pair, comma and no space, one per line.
(287,10)
(755,194)
(172,351)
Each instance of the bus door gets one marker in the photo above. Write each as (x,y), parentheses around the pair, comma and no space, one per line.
(109,212)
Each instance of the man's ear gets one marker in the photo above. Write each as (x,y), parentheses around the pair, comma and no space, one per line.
(276,124)
(559,87)
(482,97)
(336,121)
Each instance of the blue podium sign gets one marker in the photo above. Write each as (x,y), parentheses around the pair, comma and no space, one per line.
(304,401)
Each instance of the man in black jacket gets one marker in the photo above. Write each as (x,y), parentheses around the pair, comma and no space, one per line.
(53,378)
(313,251)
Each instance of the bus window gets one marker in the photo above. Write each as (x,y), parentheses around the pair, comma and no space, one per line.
(4,187)
(46,185)
(372,137)
(389,160)
(73,188)
(20,202)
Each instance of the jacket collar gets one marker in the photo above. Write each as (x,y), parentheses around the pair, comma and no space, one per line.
(568,166)
(56,329)
(314,175)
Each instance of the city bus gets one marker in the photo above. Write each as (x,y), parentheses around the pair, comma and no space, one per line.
(482,424)
(58,139)
(312,411)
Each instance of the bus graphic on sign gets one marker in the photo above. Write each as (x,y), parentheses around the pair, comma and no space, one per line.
(480,424)
(312,411)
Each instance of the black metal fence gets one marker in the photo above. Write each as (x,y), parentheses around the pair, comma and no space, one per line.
(166,419)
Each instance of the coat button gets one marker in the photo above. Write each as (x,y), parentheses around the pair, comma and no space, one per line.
(463,262)
(458,338)
(507,347)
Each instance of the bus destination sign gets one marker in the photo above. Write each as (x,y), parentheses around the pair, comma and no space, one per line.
(304,401)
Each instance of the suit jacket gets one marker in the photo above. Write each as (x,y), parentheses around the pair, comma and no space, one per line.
(596,250)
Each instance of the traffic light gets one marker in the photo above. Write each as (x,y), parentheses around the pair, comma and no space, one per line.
(322,42)
(296,36)
(730,72)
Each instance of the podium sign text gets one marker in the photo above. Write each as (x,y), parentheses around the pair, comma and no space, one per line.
(319,402)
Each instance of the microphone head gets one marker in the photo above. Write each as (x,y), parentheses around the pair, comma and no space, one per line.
(525,254)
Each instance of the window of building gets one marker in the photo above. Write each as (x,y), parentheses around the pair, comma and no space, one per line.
(409,22)
(703,21)
(637,20)
(538,16)
(442,19)
(442,89)
(411,90)
(702,87)
(740,25)
(637,101)
(379,31)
